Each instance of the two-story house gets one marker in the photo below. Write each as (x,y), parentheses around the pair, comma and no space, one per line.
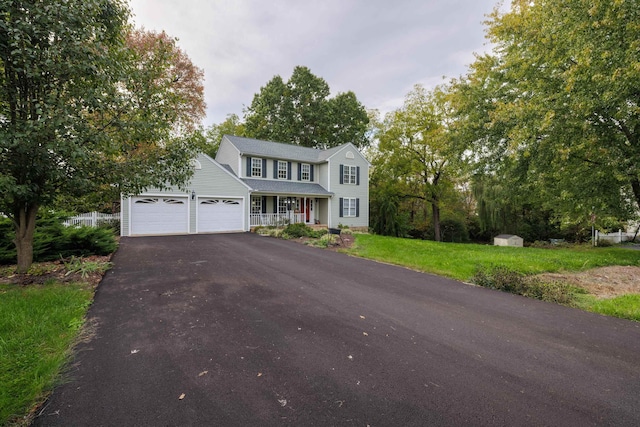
(254,183)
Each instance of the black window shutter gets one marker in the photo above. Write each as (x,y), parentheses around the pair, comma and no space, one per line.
(275,204)
(264,168)
(311,177)
(341,174)
(264,204)
(289,171)
(341,203)
(357,175)
(357,207)
(248,166)
(275,169)
(299,171)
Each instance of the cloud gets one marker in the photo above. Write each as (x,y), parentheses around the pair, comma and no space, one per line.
(377,49)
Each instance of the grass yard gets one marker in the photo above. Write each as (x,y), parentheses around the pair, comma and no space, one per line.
(460,261)
(625,306)
(38,326)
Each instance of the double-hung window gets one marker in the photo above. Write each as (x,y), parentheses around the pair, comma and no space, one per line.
(349,207)
(256,167)
(284,205)
(256,205)
(282,170)
(305,172)
(349,174)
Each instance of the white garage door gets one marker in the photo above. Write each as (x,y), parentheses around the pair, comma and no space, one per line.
(159,215)
(220,214)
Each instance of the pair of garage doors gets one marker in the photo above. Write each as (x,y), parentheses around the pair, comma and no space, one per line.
(170,215)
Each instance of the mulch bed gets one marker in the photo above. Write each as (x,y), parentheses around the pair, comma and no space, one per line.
(45,271)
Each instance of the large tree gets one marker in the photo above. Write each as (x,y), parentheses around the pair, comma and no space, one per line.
(556,105)
(232,125)
(81,111)
(157,128)
(301,112)
(417,159)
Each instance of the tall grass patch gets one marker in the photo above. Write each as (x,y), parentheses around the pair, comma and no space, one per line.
(504,279)
(38,327)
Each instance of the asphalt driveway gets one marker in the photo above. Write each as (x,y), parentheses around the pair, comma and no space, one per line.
(239,329)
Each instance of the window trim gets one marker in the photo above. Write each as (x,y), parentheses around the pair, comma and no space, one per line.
(283,169)
(256,205)
(350,175)
(304,166)
(349,206)
(256,167)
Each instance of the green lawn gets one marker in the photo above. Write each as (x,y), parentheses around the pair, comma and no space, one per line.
(460,261)
(38,327)
(625,306)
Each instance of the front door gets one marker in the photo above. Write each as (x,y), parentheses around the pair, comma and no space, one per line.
(308,209)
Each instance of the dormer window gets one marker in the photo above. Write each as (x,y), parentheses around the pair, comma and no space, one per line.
(256,168)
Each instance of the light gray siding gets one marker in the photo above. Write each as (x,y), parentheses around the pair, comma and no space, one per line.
(228,155)
(214,181)
(124,216)
(210,180)
(349,155)
(323,175)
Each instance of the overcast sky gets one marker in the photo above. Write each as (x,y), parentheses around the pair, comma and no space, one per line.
(378,49)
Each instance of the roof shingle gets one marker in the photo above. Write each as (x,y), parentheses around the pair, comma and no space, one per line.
(279,150)
(286,187)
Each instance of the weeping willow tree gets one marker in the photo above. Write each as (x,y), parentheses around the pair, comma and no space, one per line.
(553,110)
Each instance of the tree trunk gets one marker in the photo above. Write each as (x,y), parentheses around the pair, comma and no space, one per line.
(25,224)
(435,211)
(635,186)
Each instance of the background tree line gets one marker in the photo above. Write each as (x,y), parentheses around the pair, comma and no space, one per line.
(299,111)
(539,137)
(541,134)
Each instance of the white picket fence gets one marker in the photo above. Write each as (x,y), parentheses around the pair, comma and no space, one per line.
(614,238)
(90,219)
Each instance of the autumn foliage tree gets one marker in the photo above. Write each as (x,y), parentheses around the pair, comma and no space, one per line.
(157,130)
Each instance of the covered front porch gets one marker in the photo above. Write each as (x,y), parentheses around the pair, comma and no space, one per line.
(280,210)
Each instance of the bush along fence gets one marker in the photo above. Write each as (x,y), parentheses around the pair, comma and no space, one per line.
(91,219)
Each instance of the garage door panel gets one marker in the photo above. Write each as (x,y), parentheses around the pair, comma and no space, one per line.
(220,214)
(159,215)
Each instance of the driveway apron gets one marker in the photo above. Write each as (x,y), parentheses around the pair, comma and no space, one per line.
(239,329)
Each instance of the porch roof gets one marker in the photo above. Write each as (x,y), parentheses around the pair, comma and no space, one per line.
(286,187)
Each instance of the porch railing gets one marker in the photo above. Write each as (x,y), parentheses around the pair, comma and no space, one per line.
(276,219)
